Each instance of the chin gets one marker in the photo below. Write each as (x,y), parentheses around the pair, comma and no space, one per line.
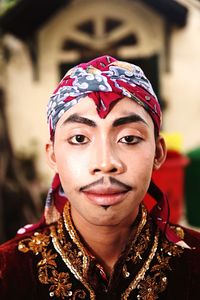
(106,218)
(106,223)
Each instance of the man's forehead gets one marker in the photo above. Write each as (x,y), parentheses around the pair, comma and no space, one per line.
(87,105)
(86,112)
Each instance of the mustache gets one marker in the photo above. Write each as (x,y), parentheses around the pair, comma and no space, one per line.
(113,182)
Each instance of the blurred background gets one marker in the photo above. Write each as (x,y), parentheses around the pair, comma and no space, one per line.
(40,40)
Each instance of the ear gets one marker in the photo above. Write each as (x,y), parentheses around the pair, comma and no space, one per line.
(50,155)
(160,153)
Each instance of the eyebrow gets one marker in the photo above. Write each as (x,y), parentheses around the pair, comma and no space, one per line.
(75,118)
(133,118)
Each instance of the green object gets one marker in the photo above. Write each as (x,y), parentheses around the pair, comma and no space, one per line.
(5,5)
(192,188)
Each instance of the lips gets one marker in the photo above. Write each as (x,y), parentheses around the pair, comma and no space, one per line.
(106,196)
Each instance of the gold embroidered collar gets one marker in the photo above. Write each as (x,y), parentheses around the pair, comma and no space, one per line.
(141,268)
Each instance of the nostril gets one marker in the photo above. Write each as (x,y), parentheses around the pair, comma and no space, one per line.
(96,170)
(113,170)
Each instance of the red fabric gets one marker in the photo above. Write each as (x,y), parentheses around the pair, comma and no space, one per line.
(18,273)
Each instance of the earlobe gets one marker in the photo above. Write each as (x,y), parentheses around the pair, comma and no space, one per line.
(50,155)
(160,153)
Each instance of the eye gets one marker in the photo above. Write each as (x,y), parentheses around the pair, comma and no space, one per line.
(78,139)
(130,140)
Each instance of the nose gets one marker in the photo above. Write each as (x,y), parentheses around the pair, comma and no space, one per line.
(106,160)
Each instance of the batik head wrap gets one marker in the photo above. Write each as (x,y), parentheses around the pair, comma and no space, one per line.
(105,80)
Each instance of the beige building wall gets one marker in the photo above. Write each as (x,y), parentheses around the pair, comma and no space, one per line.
(26,103)
(27,99)
(181,87)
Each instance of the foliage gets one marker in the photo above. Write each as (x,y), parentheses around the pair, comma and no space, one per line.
(5,5)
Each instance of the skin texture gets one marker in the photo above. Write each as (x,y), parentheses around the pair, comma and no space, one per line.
(105,167)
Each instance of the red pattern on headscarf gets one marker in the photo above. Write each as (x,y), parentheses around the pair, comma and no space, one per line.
(105,80)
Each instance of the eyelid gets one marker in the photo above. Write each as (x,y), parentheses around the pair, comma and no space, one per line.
(136,139)
(76,142)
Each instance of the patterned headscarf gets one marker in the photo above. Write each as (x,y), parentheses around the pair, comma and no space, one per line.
(105,80)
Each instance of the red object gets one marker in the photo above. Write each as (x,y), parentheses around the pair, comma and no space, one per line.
(170,179)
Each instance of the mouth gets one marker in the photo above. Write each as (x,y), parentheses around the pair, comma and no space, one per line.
(106,197)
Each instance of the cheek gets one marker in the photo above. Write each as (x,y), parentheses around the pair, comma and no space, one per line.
(140,165)
(72,167)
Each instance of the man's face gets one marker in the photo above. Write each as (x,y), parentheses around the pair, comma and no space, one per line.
(105,165)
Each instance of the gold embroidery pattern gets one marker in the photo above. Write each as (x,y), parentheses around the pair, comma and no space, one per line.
(139,243)
(140,247)
(150,280)
(75,238)
(151,284)
(60,285)
(156,281)
(79,294)
(36,243)
(143,270)
(73,255)
(146,290)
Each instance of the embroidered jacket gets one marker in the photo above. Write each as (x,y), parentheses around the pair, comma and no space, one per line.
(52,263)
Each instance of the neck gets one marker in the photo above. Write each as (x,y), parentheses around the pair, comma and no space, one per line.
(105,242)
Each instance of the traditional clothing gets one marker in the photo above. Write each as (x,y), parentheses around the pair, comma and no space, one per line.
(50,261)
(53,263)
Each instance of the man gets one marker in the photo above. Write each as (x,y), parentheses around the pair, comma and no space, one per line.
(96,239)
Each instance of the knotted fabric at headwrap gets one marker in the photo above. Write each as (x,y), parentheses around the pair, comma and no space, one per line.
(105,80)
